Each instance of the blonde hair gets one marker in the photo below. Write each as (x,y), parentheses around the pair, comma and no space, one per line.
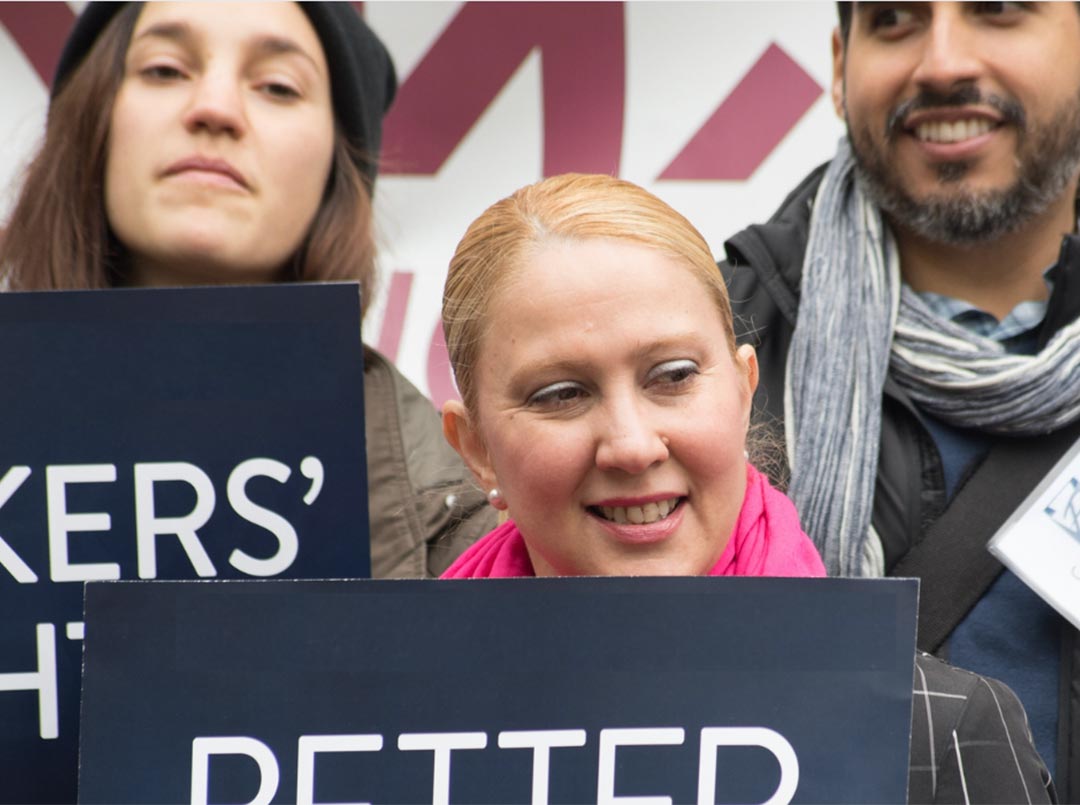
(572,206)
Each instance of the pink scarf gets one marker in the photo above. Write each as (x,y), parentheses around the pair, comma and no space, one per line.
(767,541)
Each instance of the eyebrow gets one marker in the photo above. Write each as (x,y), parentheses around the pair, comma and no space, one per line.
(673,341)
(175,31)
(270,45)
(265,45)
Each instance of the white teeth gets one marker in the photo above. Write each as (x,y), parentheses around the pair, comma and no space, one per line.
(943,131)
(649,513)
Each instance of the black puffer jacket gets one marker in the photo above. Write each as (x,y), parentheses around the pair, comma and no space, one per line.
(763,271)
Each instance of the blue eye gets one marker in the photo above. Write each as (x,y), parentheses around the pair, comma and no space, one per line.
(673,373)
(557,395)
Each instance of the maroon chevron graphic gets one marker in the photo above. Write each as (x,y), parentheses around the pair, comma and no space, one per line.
(581,50)
(39,29)
(582,47)
(750,123)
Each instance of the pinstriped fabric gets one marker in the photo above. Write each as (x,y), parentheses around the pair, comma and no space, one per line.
(970,741)
(960,768)
(1008,735)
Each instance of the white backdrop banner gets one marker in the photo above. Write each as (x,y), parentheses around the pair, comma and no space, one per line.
(717,107)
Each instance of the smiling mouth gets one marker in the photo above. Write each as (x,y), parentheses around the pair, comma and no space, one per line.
(638,515)
(955,131)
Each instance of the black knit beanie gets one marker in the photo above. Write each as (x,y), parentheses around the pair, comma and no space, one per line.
(362,76)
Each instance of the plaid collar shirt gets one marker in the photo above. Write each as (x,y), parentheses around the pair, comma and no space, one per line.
(1018,324)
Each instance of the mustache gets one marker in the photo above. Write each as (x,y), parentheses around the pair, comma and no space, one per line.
(1010,110)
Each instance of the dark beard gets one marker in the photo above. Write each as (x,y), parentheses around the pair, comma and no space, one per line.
(1047,157)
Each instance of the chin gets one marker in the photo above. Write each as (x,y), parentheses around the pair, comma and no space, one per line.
(220,263)
(674,566)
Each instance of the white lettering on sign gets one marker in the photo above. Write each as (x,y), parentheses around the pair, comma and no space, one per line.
(273,522)
(312,469)
(149,525)
(43,680)
(442,744)
(540,741)
(62,522)
(202,748)
(310,745)
(610,740)
(712,738)
(11,561)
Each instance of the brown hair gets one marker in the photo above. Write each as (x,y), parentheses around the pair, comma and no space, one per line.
(571,206)
(340,243)
(58,236)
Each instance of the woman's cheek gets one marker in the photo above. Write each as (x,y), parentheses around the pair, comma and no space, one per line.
(551,458)
(713,443)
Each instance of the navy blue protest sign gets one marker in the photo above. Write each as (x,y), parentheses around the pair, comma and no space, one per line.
(498,691)
(154,434)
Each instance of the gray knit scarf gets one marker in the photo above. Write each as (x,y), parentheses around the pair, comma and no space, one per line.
(857,323)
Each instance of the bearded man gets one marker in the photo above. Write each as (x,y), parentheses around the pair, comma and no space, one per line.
(915,304)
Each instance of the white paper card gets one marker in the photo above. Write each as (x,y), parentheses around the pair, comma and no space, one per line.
(1040,542)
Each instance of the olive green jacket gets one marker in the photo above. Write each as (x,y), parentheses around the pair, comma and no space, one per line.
(424,507)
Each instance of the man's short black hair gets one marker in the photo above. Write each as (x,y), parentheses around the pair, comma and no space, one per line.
(843,11)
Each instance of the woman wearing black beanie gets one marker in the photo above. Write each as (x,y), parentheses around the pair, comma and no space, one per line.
(192,143)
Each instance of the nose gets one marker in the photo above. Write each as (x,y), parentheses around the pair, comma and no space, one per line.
(951,49)
(629,440)
(216,106)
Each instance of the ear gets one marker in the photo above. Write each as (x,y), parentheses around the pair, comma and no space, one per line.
(748,358)
(838,73)
(463,437)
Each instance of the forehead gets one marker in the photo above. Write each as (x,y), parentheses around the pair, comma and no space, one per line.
(282,25)
(585,261)
(563,278)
